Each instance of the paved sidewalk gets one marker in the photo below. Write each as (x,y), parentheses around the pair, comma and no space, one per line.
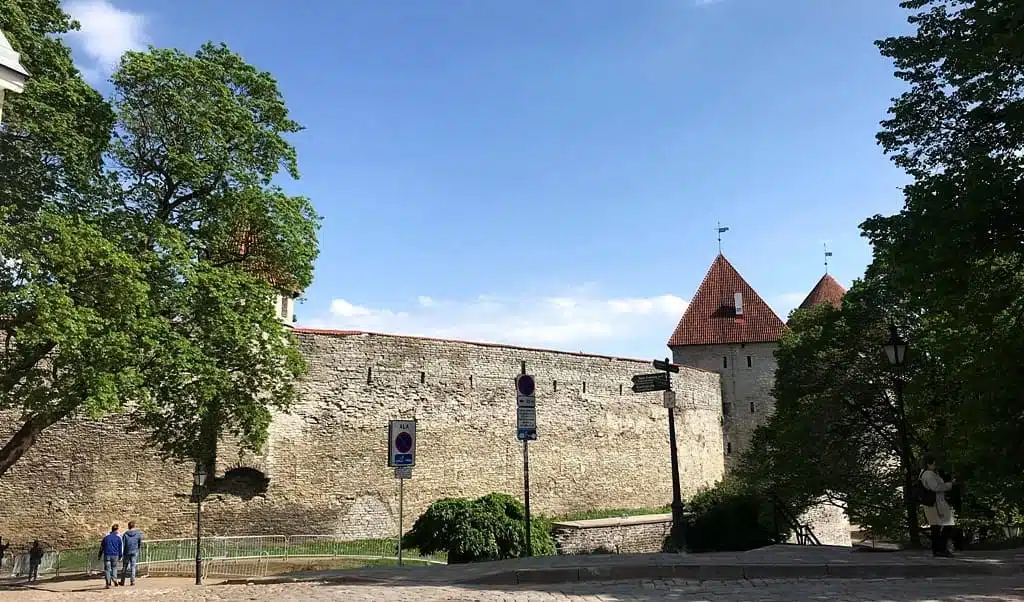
(773,562)
(974,589)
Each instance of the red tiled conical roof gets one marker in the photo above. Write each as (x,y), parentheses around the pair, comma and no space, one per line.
(711,317)
(826,291)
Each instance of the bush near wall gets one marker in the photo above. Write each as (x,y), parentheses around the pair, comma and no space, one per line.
(729,517)
(487,528)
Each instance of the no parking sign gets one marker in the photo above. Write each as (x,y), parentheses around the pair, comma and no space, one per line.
(401,443)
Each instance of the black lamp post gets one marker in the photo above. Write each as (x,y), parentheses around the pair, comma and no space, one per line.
(896,353)
(895,348)
(198,480)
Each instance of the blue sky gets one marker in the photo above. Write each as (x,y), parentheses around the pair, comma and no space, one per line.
(550,172)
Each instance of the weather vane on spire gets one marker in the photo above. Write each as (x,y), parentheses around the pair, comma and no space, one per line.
(720,230)
(827,255)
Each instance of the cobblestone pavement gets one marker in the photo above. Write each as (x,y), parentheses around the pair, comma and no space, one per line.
(988,589)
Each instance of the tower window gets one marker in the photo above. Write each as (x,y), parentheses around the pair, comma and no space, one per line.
(750,362)
(751,407)
(728,448)
(725,361)
(284,306)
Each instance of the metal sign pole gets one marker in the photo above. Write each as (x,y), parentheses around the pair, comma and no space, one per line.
(401,516)
(526,486)
(678,527)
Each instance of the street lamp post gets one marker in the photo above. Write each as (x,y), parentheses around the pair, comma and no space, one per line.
(896,352)
(198,480)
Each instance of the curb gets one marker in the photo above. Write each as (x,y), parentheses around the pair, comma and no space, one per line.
(739,572)
(689,572)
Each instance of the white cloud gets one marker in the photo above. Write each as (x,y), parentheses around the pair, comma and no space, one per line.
(581,320)
(106,33)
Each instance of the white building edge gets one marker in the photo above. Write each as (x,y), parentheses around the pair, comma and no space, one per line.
(13,74)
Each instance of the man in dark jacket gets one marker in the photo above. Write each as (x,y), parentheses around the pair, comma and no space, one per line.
(111,549)
(132,540)
(35,558)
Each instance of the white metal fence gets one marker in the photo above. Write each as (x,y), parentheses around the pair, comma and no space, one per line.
(232,556)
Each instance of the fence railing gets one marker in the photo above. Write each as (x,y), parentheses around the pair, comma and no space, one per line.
(231,556)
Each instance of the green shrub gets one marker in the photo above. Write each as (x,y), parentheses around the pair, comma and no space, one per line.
(728,517)
(488,528)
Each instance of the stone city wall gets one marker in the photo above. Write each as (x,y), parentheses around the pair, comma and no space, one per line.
(626,535)
(600,446)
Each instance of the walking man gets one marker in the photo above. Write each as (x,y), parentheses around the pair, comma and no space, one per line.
(132,546)
(35,558)
(111,549)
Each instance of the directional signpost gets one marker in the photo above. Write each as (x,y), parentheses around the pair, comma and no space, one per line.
(662,381)
(649,383)
(526,431)
(402,457)
(666,366)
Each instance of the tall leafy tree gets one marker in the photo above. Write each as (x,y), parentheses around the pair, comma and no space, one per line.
(958,244)
(841,432)
(142,242)
(199,141)
(68,291)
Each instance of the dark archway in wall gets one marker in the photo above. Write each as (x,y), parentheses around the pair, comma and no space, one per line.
(243,482)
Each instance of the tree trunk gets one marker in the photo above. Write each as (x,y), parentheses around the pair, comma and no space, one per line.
(209,433)
(21,441)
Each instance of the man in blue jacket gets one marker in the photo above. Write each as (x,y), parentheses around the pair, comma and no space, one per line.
(132,545)
(111,549)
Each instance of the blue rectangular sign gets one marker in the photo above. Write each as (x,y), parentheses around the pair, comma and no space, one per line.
(526,434)
(403,459)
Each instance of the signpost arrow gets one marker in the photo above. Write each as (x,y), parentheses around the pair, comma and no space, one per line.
(666,366)
(649,383)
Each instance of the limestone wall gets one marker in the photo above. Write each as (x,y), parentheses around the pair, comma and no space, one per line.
(748,374)
(627,535)
(829,523)
(600,446)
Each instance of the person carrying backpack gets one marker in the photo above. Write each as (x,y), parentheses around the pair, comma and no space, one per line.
(936,509)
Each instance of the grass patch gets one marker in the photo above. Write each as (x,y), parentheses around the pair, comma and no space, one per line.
(610,513)
(373,551)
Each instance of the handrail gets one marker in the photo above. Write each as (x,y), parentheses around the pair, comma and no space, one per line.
(804,535)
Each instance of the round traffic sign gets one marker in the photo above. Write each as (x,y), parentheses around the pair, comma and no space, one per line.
(525,385)
(403,442)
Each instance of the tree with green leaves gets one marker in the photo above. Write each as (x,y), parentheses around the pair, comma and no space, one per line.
(67,288)
(199,141)
(143,242)
(957,247)
(841,432)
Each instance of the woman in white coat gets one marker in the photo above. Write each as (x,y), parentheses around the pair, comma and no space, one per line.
(940,514)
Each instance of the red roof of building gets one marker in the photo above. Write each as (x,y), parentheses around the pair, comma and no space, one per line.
(247,244)
(711,317)
(826,291)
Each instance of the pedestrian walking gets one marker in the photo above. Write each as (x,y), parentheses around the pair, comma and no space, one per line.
(111,549)
(132,541)
(35,558)
(938,512)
